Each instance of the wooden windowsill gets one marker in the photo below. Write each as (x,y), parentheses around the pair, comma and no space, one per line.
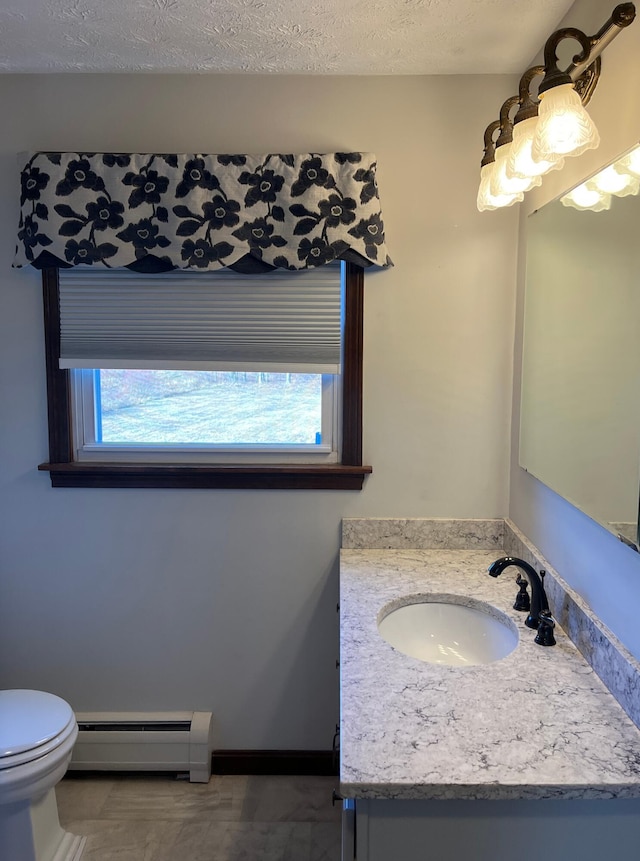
(215,477)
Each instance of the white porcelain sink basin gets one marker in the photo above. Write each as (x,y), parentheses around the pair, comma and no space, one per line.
(441,630)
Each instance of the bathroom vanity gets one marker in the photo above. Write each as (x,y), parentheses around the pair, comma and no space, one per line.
(528,757)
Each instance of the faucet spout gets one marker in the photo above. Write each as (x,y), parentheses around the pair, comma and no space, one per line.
(539,600)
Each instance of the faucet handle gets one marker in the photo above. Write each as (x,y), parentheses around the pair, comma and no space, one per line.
(545,637)
(522,601)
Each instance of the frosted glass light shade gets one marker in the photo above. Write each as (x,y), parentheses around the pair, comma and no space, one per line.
(631,162)
(564,127)
(521,162)
(584,197)
(488,201)
(612,181)
(502,183)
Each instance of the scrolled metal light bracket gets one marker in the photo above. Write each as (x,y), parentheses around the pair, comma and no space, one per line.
(586,83)
(506,125)
(592,46)
(489,143)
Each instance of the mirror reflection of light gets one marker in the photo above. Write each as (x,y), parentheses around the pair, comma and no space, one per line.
(612,181)
(448,651)
(631,161)
(620,179)
(583,197)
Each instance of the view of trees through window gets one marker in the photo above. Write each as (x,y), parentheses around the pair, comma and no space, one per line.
(211,407)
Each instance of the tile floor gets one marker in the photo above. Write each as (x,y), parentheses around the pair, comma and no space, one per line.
(232,818)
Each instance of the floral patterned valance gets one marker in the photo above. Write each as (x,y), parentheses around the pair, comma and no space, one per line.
(154,213)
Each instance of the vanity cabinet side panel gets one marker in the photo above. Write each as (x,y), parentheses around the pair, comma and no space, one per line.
(555,830)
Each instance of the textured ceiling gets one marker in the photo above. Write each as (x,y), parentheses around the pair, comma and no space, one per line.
(362,37)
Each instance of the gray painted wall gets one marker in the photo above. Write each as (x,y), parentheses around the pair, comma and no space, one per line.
(225,600)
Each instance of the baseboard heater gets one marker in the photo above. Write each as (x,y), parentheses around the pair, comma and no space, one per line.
(145,741)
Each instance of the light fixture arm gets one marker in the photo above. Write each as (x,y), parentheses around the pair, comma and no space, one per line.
(586,83)
(528,106)
(489,145)
(592,46)
(621,17)
(553,76)
(506,126)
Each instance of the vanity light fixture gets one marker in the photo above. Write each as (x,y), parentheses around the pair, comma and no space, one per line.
(487,200)
(521,161)
(554,124)
(504,182)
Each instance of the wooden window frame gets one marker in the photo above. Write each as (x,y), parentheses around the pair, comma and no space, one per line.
(349,474)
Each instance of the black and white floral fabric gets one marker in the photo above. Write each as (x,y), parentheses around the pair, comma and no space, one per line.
(160,212)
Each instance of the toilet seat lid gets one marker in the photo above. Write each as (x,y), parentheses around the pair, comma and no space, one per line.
(29,719)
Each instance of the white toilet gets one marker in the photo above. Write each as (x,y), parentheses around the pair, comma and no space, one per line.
(37,734)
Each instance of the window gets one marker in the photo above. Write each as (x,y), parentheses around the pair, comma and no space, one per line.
(261,409)
(203,367)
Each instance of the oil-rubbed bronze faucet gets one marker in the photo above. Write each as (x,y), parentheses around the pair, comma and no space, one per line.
(539,611)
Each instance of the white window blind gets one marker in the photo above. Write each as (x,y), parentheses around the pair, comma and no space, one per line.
(278,321)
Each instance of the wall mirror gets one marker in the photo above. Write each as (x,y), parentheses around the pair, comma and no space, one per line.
(580,410)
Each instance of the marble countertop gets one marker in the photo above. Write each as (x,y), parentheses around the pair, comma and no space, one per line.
(536,724)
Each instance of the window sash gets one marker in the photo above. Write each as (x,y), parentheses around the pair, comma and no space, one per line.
(87,449)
